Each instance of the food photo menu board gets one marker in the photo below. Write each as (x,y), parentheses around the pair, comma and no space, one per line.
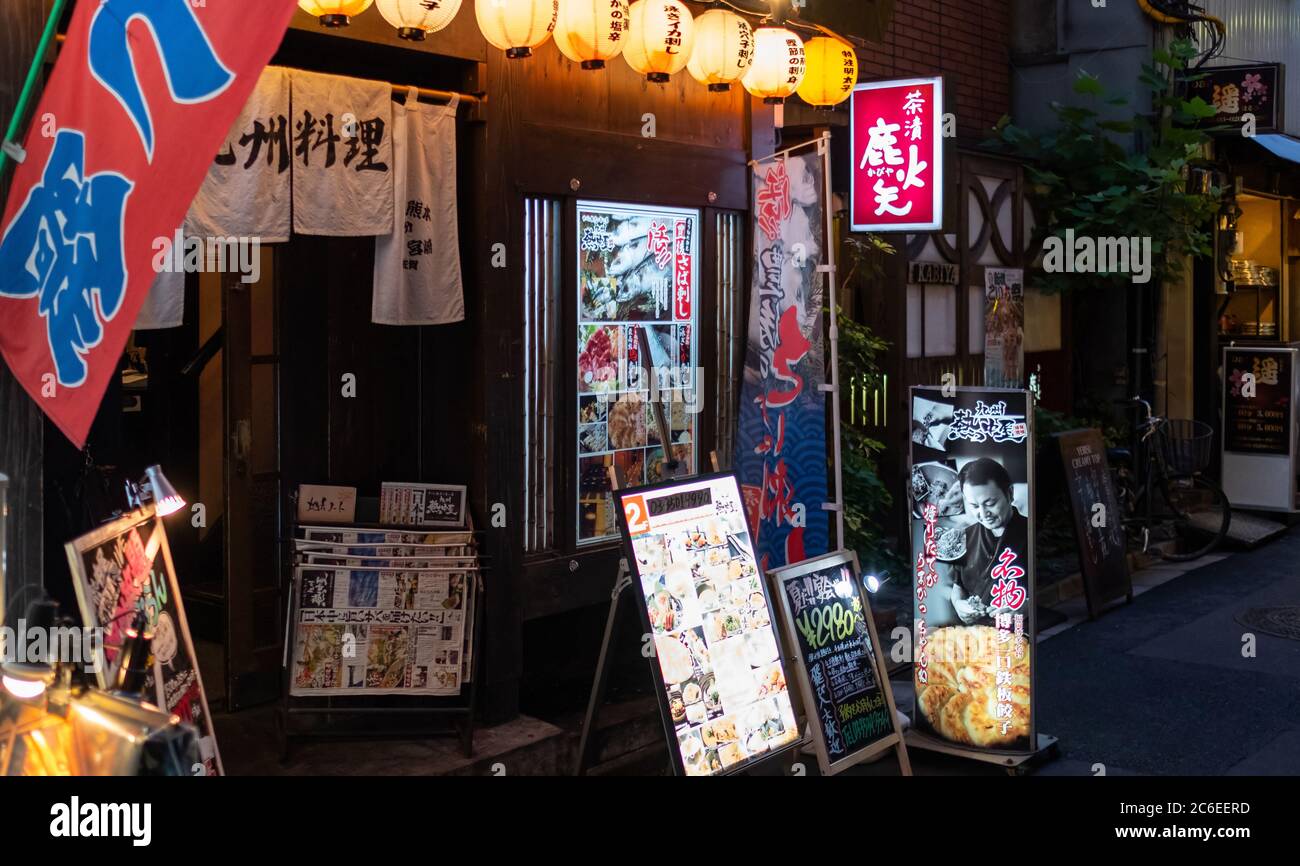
(637,271)
(721,678)
(971,495)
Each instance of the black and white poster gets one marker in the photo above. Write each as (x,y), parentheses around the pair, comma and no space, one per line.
(970,494)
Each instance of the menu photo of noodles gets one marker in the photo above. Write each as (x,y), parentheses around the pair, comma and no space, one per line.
(722,679)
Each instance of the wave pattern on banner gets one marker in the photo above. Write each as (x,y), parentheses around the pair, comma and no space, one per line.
(781,434)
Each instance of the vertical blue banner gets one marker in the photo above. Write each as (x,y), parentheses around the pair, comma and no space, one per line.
(780,453)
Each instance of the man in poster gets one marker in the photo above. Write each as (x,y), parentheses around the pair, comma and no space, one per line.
(986,491)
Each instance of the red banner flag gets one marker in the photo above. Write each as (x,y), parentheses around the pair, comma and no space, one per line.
(141,98)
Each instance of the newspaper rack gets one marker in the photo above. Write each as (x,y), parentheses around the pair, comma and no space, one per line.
(423,716)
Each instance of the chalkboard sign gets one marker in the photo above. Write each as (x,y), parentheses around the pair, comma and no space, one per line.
(1256,401)
(126,566)
(845,687)
(1098,518)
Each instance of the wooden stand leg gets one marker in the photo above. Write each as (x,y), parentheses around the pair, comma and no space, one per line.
(602,671)
(904,764)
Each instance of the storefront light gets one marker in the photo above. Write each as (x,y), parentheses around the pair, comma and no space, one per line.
(335,13)
(415,19)
(591,31)
(724,48)
(873,583)
(154,487)
(660,38)
(24,678)
(831,72)
(516,26)
(779,65)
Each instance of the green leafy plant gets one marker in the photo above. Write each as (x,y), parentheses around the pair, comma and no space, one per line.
(1082,178)
(866,498)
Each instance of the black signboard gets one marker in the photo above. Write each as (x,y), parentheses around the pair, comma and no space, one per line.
(1098,518)
(845,687)
(1257,401)
(1236,91)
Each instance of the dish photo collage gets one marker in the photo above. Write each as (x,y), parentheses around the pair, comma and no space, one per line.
(637,281)
(715,642)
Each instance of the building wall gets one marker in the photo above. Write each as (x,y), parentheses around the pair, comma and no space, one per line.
(964,40)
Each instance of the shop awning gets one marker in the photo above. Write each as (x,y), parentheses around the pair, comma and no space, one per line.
(1284,146)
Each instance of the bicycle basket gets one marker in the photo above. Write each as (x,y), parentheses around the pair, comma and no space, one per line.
(1188,445)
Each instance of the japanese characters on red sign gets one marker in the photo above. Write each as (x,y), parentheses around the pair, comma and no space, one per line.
(682,270)
(897,152)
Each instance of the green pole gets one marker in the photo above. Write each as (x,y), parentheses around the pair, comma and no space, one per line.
(20,110)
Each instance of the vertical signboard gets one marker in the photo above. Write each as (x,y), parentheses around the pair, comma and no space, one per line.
(720,676)
(1257,401)
(1004,328)
(971,496)
(842,678)
(638,269)
(1098,518)
(897,154)
(781,434)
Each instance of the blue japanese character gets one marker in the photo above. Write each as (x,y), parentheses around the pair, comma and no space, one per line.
(65,245)
(194,72)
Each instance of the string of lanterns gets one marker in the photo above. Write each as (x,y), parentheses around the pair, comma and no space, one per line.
(657,38)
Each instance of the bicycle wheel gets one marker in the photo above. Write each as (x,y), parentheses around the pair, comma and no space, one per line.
(1198,514)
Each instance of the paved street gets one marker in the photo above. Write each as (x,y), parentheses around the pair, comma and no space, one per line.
(1161,686)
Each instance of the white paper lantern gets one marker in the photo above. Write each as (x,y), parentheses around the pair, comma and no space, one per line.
(516,26)
(660,39)
(415,19)
(724,48)
(779,64)
(334,13)
(591,31)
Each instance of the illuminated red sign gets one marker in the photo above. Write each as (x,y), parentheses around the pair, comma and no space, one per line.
(897,146)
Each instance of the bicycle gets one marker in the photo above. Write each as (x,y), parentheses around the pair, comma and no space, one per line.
(1190,510)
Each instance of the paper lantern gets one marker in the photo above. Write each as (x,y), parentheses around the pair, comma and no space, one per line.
(778,67)
(660,38)
(832,72)
(415,19)
(334,13)
(591,31)
(516,26)
(724,48)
